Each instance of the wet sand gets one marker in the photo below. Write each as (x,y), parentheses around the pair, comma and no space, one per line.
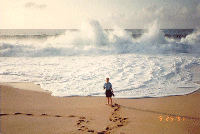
(24,111)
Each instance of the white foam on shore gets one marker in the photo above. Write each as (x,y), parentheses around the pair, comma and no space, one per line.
(132,75)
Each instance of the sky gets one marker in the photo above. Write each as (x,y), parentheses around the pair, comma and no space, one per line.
(71,14)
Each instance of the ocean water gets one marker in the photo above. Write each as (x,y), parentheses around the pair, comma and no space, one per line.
(76,62)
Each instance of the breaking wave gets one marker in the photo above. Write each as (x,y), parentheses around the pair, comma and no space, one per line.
(93,40)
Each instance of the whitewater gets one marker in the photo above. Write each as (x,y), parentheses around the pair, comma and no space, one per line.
(77,63)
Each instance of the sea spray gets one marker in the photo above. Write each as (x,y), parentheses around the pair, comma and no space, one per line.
(93,40)
(153,35)
(193,40)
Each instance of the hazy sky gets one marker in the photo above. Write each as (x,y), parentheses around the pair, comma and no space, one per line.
(69,14)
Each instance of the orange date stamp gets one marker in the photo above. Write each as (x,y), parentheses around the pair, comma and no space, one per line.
(172,118)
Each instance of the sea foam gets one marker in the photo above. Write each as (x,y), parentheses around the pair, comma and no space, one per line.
(77,63)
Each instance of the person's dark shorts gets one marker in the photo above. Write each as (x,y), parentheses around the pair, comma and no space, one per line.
(108,93)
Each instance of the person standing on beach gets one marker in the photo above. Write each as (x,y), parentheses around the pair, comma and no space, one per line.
(109,90)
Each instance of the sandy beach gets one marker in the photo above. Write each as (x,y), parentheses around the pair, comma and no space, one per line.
(56,57)
(24,111)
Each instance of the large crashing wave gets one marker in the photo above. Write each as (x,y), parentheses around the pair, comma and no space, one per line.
(93,40)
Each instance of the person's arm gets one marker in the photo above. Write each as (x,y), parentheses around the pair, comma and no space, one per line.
(104,87)
(112,89)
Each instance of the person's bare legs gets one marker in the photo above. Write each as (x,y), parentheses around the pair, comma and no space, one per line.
(108,100)
(111,101)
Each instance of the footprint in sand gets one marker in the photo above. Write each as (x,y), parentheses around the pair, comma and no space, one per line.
(43,114)
(17,113)
(3,114)
(82,118)
(103,132)
(90,130)
(29,114)
(81,121)
(116,119)
(82,127)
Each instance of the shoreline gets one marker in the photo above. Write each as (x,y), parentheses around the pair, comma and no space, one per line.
(30,86)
